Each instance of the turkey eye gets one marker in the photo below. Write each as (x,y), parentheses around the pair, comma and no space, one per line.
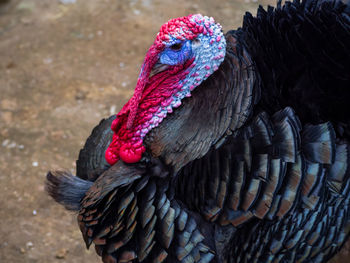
(176,46)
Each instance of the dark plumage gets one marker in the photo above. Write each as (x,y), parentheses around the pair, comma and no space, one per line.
(253,167)
(91,162)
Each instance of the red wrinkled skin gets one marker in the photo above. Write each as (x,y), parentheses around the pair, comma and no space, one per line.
(150,94)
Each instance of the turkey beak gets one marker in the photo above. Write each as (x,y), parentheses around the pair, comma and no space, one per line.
(158,67)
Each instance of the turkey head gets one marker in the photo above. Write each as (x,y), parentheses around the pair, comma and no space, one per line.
(186,51)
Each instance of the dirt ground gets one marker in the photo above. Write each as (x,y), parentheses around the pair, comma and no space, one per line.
(64,65)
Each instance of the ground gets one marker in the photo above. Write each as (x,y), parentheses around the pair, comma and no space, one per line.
(64,65)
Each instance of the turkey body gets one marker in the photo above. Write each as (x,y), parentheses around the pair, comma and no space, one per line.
(253,167)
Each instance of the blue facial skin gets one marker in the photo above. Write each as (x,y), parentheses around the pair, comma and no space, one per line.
(176,57)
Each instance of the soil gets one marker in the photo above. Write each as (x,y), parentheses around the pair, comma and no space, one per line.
(64,65)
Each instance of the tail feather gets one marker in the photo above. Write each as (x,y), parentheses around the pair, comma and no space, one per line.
(66,189)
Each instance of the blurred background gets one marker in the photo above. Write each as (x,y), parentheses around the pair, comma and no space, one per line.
(64,65)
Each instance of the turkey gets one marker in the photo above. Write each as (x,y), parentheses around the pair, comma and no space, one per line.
(233,148)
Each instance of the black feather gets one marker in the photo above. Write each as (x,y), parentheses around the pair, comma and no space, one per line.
(302,54)
(66,189)
(91,162)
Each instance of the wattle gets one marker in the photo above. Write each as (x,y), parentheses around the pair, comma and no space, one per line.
(156,102)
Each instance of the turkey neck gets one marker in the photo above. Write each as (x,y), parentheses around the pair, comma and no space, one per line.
(219,106)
